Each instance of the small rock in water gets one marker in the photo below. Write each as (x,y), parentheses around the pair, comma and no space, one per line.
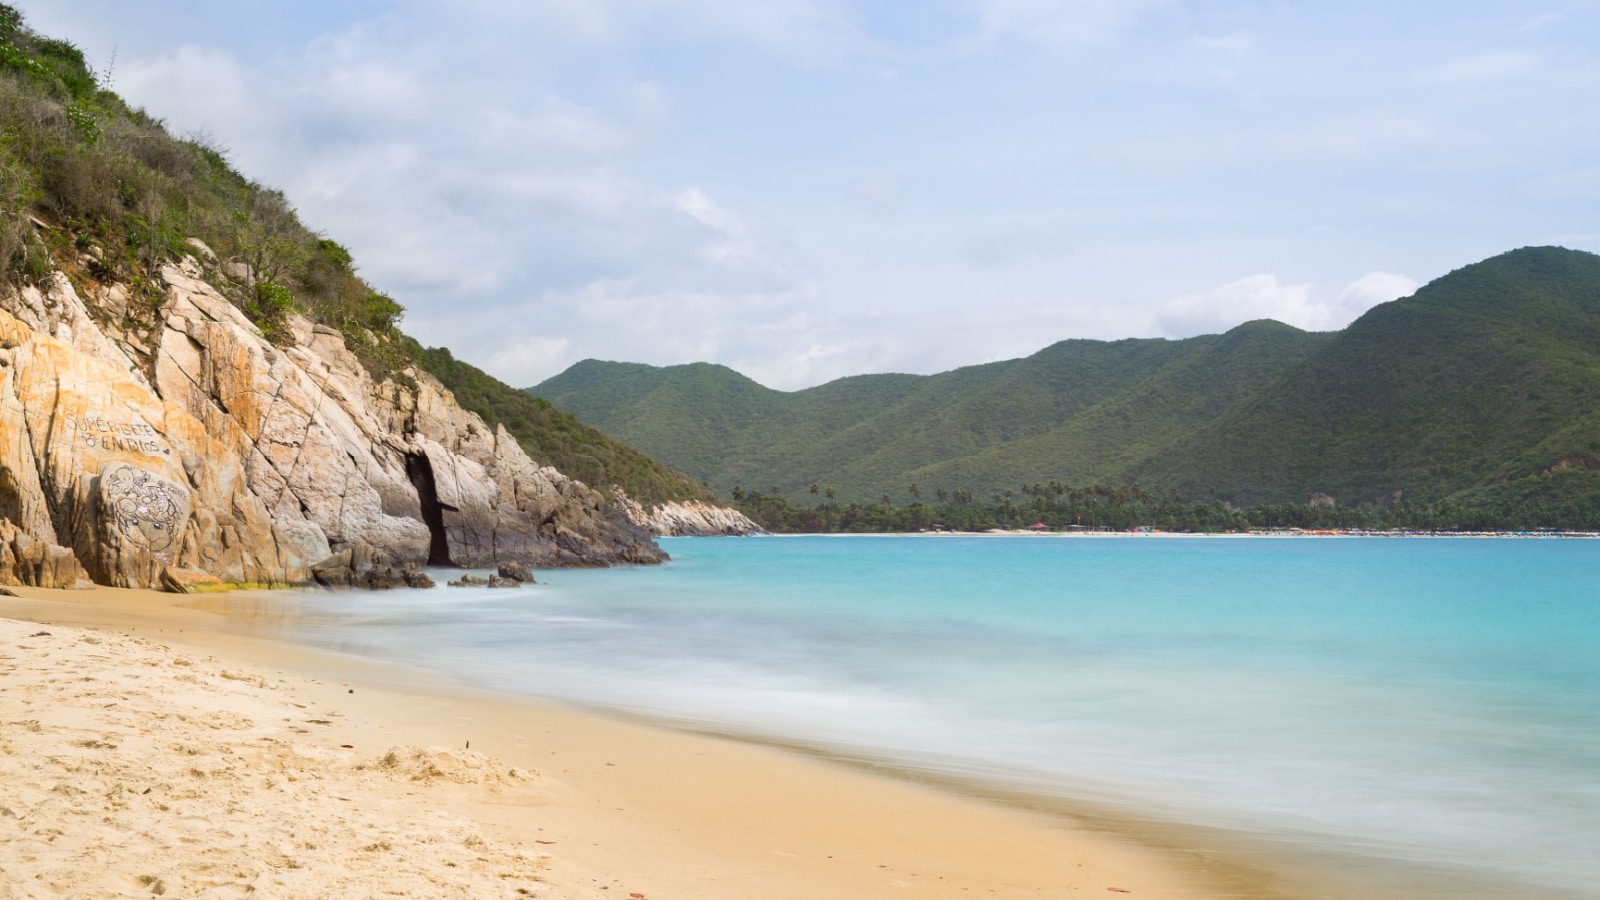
(516,572)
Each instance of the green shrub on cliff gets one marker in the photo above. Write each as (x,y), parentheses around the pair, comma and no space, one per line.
(556,438)
(74,155)
(269,307)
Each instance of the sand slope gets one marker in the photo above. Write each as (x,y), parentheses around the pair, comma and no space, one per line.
(159,745)
(130,770)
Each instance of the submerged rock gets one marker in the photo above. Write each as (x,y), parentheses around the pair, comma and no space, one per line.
(516,572)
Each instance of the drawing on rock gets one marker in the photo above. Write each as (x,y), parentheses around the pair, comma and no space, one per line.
(142,507)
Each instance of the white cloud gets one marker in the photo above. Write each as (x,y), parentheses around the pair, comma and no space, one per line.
(760,333)
(526,360)
(1543,20)
(1219,309)
(670,180)
(1368,291)
(810,32)
(193,88)
(1265,297)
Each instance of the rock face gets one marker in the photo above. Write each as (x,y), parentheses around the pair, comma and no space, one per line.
(198,446)
(690,518)
(95,462)
(25,560)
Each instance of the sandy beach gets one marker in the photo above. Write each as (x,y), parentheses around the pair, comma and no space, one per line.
(150,748)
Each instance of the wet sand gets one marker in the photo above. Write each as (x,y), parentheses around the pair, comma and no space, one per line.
(149,741)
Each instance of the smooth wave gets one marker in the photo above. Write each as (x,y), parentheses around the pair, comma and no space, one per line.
(1426,701)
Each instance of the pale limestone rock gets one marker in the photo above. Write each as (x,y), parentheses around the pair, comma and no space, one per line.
(687,518)
(206,253)
(541,516)
(342,457)
(56,309)
(90,436)
(239,271)
(188,581)
(114,300)
(141,516)
(305,456)
(22,499)
(37,562)
(250,462)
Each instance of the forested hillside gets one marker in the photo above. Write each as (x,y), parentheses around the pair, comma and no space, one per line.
(1487,376)
(1482,388)
(1079,411)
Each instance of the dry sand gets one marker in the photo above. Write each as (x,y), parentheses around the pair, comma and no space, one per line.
(148,749)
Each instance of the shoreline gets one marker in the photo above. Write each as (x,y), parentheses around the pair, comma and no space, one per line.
(1230,535)
(667,812)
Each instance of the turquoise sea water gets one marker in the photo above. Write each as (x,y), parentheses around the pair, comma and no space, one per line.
(1426,710)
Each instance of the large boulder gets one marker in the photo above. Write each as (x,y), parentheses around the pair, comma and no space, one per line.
(189,581)
(37,563)
(94,461)
(139,518)
(365,566)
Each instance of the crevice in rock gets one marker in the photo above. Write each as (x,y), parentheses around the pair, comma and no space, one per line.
(420,471)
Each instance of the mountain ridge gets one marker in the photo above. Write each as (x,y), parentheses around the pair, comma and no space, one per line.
(1475,380)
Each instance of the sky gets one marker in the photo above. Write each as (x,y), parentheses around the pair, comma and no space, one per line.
(807,189)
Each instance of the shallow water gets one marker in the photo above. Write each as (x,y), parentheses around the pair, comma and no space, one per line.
(1426,708)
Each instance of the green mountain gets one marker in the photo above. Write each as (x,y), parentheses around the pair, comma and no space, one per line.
(1481,381)
(1487,376)
(1075,411)
(81,170)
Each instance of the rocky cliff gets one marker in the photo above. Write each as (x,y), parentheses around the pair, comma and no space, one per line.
(686,518)
(154,436)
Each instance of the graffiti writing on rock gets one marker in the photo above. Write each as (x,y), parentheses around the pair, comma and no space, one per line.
(114,434)
(144,507)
